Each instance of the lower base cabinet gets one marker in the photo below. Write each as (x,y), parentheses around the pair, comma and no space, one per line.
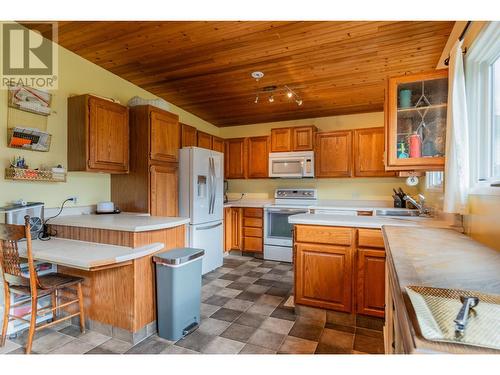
(370,282)
(243,229)
(323,276)
(341,269)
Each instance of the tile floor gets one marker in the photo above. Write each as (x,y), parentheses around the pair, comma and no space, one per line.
(243,311)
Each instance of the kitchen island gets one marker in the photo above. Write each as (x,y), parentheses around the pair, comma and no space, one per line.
(438,258)
(339,260)
(119,280)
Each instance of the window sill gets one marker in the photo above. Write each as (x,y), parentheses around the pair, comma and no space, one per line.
(484,188)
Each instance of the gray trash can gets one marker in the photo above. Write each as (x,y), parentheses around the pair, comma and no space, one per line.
(178,292)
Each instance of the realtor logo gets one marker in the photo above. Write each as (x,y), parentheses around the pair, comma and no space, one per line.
(28,58)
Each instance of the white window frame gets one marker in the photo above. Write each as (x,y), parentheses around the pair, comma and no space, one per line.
(481,55)
(434,181)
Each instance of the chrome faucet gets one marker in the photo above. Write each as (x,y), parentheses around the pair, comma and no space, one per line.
(422,210)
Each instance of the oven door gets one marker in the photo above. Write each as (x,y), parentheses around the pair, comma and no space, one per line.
(277,229)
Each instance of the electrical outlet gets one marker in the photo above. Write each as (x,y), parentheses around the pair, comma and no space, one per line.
(73,198)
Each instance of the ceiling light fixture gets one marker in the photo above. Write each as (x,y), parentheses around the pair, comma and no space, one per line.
(257,75)
(256,99)
(271,98)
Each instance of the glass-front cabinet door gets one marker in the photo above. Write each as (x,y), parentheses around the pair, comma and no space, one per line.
(416,107)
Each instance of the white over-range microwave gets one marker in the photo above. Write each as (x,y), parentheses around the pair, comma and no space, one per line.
(291,164)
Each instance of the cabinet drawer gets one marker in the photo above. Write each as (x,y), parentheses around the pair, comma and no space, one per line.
(252,222)
(252,232)
(324,234)
(253,212)
(370,238)
(252,244)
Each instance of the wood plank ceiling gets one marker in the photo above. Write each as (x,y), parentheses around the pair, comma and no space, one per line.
(204,67)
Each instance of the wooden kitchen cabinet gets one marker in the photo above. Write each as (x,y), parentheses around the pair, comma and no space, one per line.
(252,230)
(370,282)
(281,140)
(334,154)
(323,276)
(236,228)
(416,105)
(258,157)
(98,135)
(340,268)
(164,192)
(164,133)
(235,160)
(188,135)
(151,186)
(299,138)
(217,144)
(369,153)
(227,229)
(204,140)
(303,138)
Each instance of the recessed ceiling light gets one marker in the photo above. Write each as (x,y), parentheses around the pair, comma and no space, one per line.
(257,75)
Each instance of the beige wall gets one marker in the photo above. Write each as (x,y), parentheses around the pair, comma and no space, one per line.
(76,76)
(330,188)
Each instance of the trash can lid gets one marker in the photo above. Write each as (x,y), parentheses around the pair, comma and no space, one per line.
(178,256)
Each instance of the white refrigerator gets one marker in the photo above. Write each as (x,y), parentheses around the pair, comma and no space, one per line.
(201,186)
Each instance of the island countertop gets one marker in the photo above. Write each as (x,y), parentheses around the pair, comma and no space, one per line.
(121,222)
(439,258)
(86,255)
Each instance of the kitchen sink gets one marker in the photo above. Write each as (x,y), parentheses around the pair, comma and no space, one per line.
(396,213)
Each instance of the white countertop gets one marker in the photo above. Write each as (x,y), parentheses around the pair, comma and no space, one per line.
(256,203)
(366,221)
(351,205)
(122,222)
(85,255)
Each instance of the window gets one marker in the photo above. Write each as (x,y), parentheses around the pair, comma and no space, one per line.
(495,121)
(434,181)
(482,69)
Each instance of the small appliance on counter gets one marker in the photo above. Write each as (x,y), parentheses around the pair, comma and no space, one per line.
(107,208)
(15,213)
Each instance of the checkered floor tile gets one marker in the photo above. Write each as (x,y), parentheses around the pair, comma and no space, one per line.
(244,310)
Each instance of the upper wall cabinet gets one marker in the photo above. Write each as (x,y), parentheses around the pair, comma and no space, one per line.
(258,157)
(293,139)
(98,135)
(369,153)
(281,140)
(334,154)
(164,135)
(188,135)
(204,140)
(235,158)
(217,144)
(416,121)
(303,138)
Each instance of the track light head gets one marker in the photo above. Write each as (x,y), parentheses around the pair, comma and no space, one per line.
(271,99)
(299,102)
(289,94)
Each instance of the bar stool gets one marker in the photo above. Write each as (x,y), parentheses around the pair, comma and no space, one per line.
(34,286)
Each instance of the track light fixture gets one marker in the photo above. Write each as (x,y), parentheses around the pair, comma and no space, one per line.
(273,89)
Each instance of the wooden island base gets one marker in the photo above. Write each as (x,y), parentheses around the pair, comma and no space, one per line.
(120,298)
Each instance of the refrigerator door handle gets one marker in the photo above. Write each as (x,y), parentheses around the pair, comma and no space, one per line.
(209,226)
(210,184)
(214,190)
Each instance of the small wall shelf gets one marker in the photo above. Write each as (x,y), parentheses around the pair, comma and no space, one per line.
(33,175)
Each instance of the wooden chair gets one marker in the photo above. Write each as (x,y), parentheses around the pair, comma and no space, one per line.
(34,286)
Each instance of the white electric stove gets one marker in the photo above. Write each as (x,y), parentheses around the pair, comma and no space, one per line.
(278,238)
